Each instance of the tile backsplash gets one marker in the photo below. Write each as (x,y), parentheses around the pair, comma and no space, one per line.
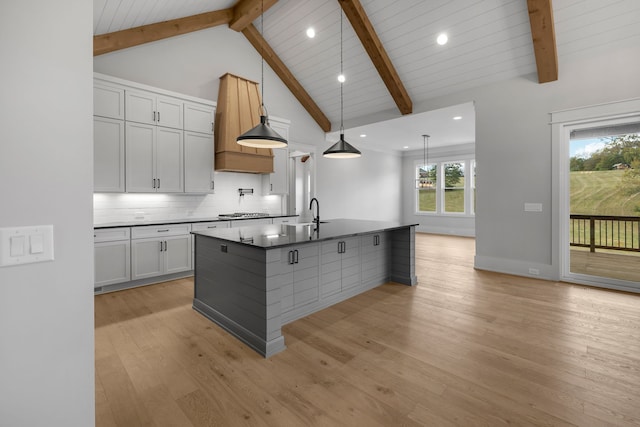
(131,207)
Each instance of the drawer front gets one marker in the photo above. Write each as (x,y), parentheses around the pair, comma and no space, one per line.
(199,226)
(111,234)
(286,220)
(147,231)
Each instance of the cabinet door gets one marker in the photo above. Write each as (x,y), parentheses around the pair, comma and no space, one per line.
(108,101)
(147,258)
(169,161)
(198,118)
(305,274)
(198,162)
(278,181)
(331,268)
(140,162)
(169,112)
(140,107)
(177,254)
(108,155)
(112,263)
(351,263)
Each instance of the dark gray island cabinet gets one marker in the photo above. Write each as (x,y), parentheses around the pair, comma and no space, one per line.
(252,280)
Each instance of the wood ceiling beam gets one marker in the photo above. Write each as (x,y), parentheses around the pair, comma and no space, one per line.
(543,35)
(246,11)
(372,44)
(105,43)
(258,42)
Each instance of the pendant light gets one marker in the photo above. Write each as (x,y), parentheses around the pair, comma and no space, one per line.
(424,181)
(262,136)
(341,149)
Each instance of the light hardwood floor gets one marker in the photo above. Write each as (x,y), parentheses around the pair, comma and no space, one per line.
(463,348)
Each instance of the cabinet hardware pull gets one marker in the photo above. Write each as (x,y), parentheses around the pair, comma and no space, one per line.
(163,231)
(271,187)
(290,260)
(165,246)
(154,116)
(212,226)
(154,183)
(158,182)
(158,116)
(161,246)
(296,252)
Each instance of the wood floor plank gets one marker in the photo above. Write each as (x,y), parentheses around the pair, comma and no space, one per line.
(464,347)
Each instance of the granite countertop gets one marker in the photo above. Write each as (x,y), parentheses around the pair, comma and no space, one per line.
(135,223)
(276,235)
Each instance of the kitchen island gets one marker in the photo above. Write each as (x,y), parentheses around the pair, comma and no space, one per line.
(252,280)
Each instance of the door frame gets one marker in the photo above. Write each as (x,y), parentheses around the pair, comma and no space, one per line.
(562,123)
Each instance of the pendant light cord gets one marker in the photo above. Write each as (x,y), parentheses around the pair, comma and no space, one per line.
(264,110)
(341,83)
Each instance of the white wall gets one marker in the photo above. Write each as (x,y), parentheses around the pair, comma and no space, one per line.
(367,187)
(514,152)
(192,64)
(46,309)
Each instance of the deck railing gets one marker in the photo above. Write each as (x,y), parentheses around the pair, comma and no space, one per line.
(605,232)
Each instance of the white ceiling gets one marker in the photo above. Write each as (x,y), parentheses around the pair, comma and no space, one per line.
(489,40)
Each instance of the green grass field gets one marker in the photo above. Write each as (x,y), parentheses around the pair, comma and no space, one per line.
(599,193)
(453,201)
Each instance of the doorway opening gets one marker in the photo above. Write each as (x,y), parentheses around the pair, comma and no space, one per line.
(600,200)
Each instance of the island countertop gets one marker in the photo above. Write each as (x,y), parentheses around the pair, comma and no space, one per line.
(269,236)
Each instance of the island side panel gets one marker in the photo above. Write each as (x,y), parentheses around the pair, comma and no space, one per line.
(231,290)
(403,255)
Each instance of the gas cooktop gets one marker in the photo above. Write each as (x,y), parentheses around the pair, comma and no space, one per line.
(243,215)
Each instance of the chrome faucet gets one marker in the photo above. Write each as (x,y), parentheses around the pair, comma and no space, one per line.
(316,218)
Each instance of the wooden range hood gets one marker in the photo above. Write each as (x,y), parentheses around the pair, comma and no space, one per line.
(238,110)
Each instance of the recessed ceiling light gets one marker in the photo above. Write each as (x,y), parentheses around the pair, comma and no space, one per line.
(457,118)
(442,39)
(311,33)
(405,147)
(341,78)
(363,135)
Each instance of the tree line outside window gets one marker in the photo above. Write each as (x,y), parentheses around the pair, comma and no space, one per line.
(452,190)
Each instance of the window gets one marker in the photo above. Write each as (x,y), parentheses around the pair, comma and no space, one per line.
(454,187)
(446,188)
(427,179)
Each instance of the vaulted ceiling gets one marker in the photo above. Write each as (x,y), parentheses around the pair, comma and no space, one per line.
(489,41)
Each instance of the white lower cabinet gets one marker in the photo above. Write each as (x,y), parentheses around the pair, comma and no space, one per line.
(169,251)
(286,220)
(340,268)
(248,222)
(112,249)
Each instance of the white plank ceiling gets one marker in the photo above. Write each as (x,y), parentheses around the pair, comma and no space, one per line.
(489,41)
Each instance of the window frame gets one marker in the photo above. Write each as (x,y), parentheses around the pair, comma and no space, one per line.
(469,186)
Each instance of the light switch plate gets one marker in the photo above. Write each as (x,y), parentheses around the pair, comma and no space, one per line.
(23,245)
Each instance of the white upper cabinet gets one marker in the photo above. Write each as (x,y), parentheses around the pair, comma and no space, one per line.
(108,155)
(198,118)
(150,108)
(154,159)
(108,101)
(278,181)
(198,162)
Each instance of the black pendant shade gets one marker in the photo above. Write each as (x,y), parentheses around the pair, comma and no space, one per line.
(262,136)
(341,150)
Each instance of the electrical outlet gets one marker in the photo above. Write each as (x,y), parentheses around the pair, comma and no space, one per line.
(534,271)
